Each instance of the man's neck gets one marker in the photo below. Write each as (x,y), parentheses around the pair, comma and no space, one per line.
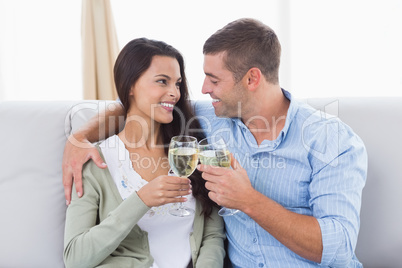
(268,117)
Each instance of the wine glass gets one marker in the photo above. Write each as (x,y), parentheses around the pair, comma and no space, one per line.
(183,159)
(215,153)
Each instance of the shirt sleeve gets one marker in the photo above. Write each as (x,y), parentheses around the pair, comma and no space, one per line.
(88,242)
(339,175)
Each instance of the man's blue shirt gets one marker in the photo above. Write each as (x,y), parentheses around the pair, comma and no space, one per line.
(317,166)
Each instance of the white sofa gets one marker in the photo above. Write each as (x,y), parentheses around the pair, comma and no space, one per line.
(32,205)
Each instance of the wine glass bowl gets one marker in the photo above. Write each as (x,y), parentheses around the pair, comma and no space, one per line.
(214,151)
(183,159)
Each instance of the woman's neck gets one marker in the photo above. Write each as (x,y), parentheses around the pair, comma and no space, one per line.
(139,133)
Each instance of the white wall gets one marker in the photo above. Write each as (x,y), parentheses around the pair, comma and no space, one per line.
(346,48)
(40,50)
(329,47)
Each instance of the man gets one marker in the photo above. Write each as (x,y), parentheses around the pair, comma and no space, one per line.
(296,176)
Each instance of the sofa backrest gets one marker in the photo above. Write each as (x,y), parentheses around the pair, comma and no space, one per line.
(32,205)
(378,121)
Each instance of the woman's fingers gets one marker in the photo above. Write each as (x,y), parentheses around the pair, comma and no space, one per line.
(165,189)
(170,183)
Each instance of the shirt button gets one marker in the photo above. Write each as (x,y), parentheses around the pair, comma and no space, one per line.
(255,240)
(261,264)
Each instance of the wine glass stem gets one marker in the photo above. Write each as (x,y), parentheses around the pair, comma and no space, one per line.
(181,206)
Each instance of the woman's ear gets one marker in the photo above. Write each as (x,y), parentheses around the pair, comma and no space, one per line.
(253,78)
(131,91)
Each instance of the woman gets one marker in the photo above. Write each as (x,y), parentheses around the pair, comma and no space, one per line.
(123,220)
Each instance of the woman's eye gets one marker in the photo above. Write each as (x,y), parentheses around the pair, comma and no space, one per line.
(162,81)
(178,84)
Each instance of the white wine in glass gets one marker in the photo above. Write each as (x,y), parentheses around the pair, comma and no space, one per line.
(183,159)
(215,153)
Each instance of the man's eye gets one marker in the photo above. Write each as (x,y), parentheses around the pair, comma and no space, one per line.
(214,82)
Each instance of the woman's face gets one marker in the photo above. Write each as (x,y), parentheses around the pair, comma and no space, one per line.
(157,90)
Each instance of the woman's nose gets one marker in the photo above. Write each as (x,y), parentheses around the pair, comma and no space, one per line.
(174,92)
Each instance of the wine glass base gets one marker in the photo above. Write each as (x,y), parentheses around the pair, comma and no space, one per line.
(182,212)
(227,212)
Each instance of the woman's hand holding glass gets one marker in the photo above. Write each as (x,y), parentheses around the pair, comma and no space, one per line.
(164,190)
(183,159)
(216,153)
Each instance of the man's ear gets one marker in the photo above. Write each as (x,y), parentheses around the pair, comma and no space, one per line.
(253,78)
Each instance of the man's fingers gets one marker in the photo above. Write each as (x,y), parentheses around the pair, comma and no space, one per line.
(95,156)
(67,184)
(97,159)
(78,182)
(77,152)
(213,197)
(209,185)
(234,163)
(213,170)
(203,168)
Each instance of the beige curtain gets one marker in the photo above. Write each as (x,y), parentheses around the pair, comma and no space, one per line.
(99,50)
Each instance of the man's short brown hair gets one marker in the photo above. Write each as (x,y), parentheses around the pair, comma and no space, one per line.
(247,43)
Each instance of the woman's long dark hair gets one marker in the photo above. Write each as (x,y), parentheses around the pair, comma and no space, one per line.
(133,60)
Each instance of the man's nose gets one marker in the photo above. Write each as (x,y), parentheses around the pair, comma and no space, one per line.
(206,89)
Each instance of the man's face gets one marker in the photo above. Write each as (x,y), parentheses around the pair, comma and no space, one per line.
(226,94)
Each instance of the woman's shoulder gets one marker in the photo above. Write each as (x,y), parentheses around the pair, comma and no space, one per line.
(94,174)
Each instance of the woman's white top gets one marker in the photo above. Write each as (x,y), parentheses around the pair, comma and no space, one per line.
(168,235)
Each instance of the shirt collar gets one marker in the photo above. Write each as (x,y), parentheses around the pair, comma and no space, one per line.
(292,110)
